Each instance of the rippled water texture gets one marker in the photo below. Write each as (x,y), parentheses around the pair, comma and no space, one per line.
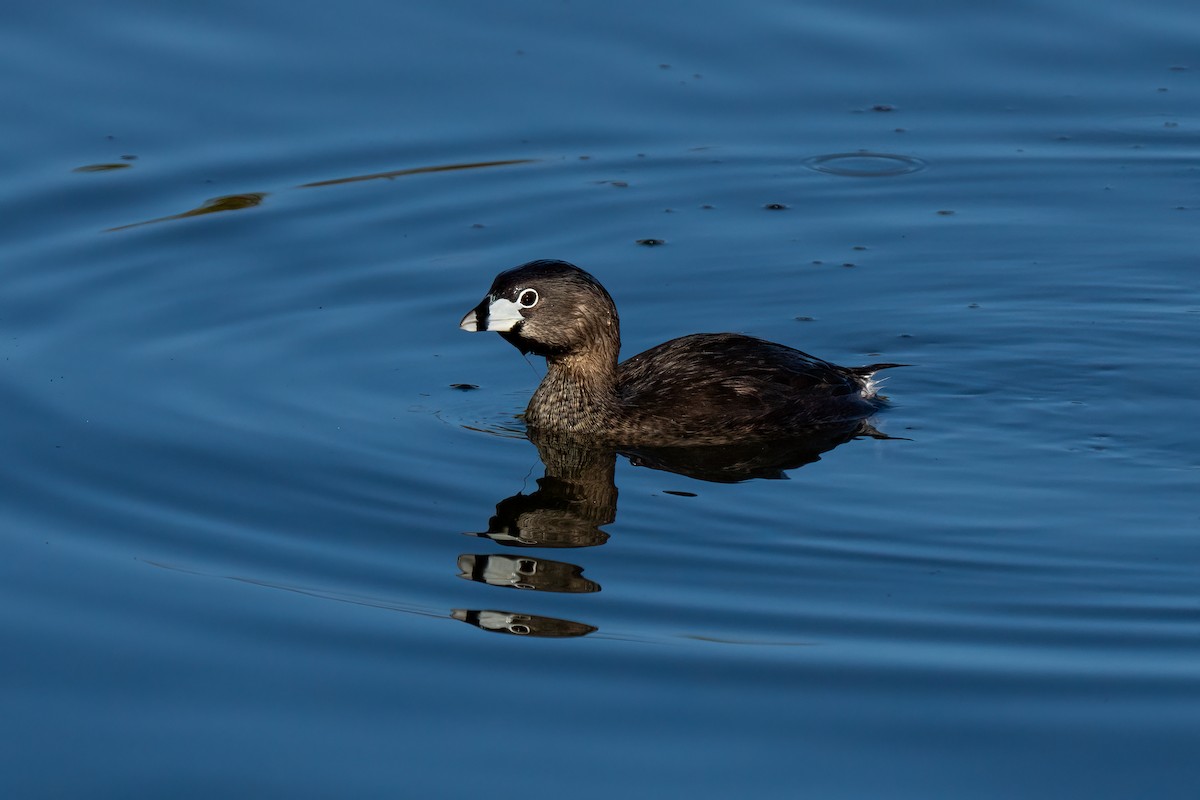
(271,525)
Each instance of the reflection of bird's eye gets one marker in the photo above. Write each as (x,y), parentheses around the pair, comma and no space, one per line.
(527,298)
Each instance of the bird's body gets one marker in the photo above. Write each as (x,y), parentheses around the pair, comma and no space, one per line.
(705,387)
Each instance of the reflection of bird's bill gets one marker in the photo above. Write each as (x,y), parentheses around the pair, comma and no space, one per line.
(504,537)
(522,572)
(501,621)
(521,624)
(544,535)
(498,570)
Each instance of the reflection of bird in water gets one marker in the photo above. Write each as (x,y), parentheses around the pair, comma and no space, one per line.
(573,499)
(577,495)
(540,574)
(521,624)
(741,461)
(702,388)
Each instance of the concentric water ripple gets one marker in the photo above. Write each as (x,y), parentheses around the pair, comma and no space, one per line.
(865,164)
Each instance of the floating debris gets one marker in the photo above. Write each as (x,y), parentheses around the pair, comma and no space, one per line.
(101,167)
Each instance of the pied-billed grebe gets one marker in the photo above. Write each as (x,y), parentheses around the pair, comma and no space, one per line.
(706,387)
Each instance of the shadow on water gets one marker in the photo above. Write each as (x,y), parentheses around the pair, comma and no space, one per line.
(577,495)
(238,202)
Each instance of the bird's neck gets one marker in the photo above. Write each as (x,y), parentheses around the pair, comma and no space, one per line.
(578,394)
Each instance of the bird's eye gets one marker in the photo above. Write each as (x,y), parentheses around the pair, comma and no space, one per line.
(527,298)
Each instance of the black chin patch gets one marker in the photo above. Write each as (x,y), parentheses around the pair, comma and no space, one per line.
(517,341)
(527,346)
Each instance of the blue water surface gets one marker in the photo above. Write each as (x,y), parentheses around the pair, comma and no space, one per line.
(245,437)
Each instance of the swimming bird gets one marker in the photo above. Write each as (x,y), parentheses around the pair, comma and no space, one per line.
(700,388)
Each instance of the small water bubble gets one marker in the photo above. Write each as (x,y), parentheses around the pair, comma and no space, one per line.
(806,319)
(478,225)
(859,247)
(817,262)
(848,265)
(775,207)
(651,242)
(883,108)
(945,212)
(464,387)
(708,207)
(972,305)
